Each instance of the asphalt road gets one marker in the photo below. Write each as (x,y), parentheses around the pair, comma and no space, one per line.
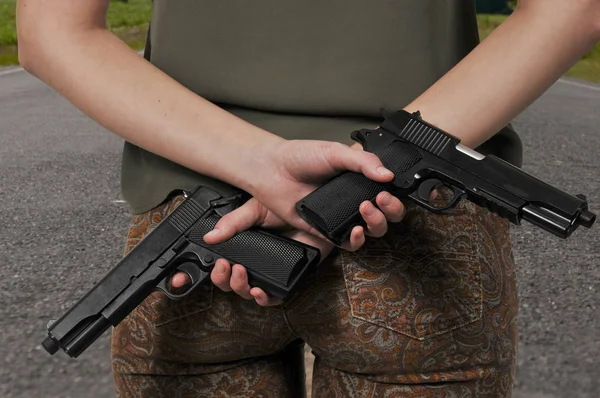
(63,226)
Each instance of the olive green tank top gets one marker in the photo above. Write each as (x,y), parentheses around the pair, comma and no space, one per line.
(302,69)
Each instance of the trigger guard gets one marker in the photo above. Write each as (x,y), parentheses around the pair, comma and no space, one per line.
(196,274)
(192,270)
(458,194)
(425,189)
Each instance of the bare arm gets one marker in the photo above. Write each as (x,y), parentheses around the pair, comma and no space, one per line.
(65,43)
(520,60)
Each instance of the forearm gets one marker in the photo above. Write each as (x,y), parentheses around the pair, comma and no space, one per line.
(116,87)
(520,60)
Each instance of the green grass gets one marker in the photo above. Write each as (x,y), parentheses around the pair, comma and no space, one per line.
(130,20)
(487,23)
(8,32)
(134,13)
(589,66)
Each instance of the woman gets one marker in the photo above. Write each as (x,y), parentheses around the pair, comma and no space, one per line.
(263,96)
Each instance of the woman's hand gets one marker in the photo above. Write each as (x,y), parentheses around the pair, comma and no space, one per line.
(296,169)
(235,279)
(292,170)
(228,278)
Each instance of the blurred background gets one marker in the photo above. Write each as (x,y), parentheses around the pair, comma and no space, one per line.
(59,187)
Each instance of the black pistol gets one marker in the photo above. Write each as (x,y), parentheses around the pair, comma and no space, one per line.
(274,263)
(424,160)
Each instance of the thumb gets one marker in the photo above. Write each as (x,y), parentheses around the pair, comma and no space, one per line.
(343,157)
(239,220)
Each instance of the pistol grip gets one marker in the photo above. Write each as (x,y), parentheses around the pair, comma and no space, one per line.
(333,209)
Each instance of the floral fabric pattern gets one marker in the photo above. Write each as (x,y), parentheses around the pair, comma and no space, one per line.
(429,310)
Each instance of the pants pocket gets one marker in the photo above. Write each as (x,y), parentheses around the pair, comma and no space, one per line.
(422,279)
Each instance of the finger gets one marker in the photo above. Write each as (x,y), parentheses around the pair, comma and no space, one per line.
(391,206)
(375,219)
(239,282)
(221,274)
(180,279)
(263,299)
(240,219)
(342,157)
(433,195)
(356,240)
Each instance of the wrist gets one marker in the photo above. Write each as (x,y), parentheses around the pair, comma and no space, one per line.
(256,163)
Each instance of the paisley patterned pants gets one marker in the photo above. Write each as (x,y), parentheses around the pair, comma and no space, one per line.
(427,311)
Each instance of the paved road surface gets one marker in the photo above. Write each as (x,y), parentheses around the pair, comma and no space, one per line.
(63,226)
